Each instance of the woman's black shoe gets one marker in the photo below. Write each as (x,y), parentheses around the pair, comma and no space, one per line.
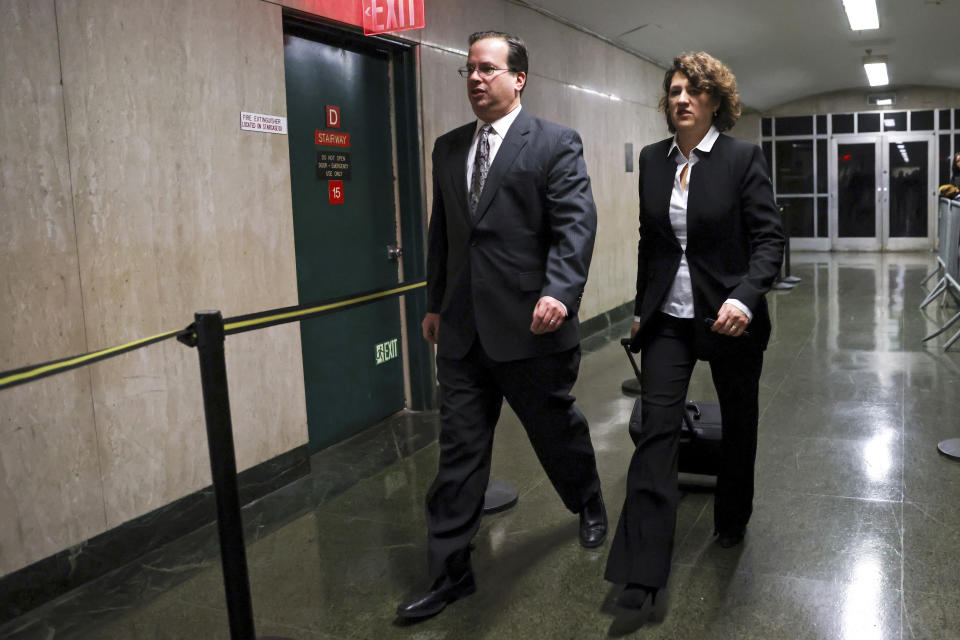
(635,606)
(729,539)
(634,596)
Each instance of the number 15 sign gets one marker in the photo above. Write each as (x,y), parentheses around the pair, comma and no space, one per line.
(335,191)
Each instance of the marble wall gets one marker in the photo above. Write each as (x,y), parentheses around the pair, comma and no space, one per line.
(130,199)
(178,210)
(747,127)
(50,492)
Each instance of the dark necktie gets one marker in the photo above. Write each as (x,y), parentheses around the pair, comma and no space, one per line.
(481,165)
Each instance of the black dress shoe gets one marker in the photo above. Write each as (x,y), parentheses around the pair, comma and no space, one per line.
(445,590)
(729,539)
(635,607)
(635,596)
(593,522)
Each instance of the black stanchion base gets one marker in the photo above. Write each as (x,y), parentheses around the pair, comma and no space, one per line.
(500,496)
(792,279)
(950,448)
(631,387)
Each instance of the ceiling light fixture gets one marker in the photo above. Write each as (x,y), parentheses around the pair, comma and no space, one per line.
(862,14)
(876,68)
(876,73)
(882,99)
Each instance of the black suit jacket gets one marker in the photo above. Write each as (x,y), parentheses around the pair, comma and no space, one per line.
(734,239)
(532,235)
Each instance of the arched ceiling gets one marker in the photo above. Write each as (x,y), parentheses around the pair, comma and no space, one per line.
(781,51)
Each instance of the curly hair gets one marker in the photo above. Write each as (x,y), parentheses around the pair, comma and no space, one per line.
(710,75)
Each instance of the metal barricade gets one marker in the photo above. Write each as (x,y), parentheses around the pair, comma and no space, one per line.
(952,239)
(948,262)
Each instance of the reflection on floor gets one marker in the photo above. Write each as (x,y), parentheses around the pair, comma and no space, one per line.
(854,535)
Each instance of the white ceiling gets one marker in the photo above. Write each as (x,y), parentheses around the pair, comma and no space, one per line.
(780,50)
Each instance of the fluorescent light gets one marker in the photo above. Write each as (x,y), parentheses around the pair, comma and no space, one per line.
(862,14)
(876,73)
(883,102)
(594,92)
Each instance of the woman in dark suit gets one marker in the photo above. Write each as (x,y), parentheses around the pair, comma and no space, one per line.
(711,245)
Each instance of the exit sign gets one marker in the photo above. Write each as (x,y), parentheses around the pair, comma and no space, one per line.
(388,16)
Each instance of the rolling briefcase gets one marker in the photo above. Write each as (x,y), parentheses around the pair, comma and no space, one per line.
(700,439)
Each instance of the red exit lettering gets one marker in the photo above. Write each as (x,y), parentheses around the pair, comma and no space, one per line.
(387,16)
(328,139)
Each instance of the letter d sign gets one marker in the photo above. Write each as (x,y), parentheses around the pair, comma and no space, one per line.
(333,117)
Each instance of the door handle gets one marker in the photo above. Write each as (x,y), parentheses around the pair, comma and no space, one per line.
(394,252)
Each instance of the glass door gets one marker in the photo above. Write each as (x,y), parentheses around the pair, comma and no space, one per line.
(908,191)
(855,193)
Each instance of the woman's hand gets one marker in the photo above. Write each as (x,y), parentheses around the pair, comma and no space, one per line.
(730,321)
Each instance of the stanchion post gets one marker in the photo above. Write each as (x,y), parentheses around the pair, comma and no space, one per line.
(223,465)
(784,281)
(786,258)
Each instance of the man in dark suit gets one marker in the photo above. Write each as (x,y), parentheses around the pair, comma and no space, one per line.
(510,242)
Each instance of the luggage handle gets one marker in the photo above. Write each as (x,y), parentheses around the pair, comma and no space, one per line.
(625,343)
(687,422)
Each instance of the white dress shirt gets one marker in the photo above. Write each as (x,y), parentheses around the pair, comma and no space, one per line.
(679,300)
(495,138)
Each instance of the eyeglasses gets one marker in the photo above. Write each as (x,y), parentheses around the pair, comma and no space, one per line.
(485,71)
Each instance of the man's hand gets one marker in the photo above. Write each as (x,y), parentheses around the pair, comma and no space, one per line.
(634,328)
(431,327)
(548,315)
(730,321)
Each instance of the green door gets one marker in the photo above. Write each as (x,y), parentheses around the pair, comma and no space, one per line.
(344,214)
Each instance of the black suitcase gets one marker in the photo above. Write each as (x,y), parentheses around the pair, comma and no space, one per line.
(700,439)
(700,432)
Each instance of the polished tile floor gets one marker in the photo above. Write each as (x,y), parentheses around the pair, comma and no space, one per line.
(855,533)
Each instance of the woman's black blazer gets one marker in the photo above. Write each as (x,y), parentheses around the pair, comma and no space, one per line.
(734,239)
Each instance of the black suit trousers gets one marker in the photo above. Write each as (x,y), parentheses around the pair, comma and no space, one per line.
(643,543)
(472,390)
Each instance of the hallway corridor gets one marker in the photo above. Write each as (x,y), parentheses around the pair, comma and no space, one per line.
(854,536)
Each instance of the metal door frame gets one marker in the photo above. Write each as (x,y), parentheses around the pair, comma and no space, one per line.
(837,243)
(906,244)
